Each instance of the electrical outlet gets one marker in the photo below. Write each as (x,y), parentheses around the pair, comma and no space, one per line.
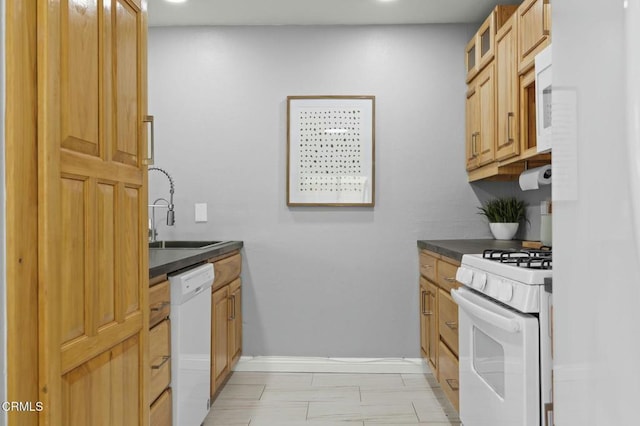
(201,212)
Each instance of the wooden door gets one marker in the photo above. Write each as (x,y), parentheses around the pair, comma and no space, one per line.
(472,127)
(235,322)
(507,142)
(431,312)
(534,23)
(424,328)
(485,141)
(219,337)
(93,272)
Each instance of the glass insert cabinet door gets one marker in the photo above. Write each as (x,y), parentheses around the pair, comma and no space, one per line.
(499,363)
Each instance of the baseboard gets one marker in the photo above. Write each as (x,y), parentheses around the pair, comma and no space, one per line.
(291,364)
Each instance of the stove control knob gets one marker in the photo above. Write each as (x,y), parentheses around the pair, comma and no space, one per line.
(479,280)
(464,275)
(505,291)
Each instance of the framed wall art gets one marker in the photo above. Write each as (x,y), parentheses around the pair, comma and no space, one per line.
(331,151)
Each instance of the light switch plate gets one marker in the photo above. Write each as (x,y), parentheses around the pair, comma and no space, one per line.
(201,212)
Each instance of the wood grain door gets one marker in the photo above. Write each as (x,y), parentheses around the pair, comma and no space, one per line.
(235,322)
(534,23)
(485,141)
(93,269)
(472,127)
(219,337)
(507,142)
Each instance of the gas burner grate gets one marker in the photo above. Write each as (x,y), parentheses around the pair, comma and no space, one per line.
(524,258)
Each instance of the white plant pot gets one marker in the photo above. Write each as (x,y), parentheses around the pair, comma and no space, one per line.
(504,231)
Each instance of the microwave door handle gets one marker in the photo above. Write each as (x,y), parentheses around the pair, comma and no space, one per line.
(507,324)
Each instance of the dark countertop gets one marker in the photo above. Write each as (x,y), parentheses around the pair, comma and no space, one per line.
(164,261)
(454,249)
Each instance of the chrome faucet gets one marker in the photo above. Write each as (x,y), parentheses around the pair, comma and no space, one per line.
(171,217)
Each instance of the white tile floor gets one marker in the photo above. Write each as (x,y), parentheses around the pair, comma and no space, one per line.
(327,399)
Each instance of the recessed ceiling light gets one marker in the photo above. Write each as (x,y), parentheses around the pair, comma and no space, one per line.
(176,1)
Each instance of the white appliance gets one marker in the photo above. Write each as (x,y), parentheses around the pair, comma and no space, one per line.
(505,338)
(543,100)
(191,344)
(596,214)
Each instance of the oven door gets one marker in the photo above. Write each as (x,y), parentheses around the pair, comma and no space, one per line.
(499,368)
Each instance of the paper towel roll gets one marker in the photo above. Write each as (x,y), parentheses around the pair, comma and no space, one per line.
(533,178)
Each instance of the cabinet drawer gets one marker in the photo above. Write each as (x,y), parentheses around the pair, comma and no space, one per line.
(160,414)
(160,358)
(447,275)
(448,370)
(227,269)
(159,303)
(448,320)
(428,266)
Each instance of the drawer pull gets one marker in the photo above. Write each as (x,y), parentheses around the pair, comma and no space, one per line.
(428,266)
(451,324)
(165,358)
(427,313)
(450,279)
(159,306)
(453,384)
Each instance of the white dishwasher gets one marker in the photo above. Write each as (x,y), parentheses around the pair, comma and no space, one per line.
(191,344)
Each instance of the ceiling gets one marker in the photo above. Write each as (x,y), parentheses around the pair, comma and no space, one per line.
(318,12)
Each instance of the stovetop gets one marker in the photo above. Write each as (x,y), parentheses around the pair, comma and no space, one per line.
(524,258)
(524,266)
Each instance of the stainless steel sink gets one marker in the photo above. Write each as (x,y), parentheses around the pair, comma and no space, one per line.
(183,244)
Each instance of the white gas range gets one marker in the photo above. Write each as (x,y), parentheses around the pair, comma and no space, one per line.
(505,338)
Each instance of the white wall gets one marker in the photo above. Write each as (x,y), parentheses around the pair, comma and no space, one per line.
(596,270)
(3,260)
(317,281)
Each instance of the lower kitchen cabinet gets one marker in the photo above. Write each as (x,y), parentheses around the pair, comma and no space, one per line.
(439,320)
(219,338)
(226,319)
(161,412)
(449,374)
(159,351)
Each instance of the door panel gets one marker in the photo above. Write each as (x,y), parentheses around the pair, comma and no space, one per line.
(106,195)
(80,109)
(126,59)
(73,268)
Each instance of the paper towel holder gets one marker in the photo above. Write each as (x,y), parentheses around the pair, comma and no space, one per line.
(547,173)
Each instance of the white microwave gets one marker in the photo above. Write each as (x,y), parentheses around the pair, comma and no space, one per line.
(543,100)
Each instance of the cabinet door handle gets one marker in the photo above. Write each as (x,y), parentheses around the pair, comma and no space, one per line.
(453,384)
(508,133)
(476,142)
(423,302)
(150,159)
(165,358)
(232,299)
(473,145)
(159,306)
(545,17)
(451,324)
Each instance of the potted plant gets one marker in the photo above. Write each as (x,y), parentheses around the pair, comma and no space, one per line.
(504,215)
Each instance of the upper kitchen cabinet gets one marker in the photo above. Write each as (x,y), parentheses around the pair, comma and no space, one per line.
(480,50)
(500,103)
(534,23)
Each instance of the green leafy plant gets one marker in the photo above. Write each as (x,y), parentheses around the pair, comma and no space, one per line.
(504,210)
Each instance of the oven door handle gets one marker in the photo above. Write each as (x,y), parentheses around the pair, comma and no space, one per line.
(507,324)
